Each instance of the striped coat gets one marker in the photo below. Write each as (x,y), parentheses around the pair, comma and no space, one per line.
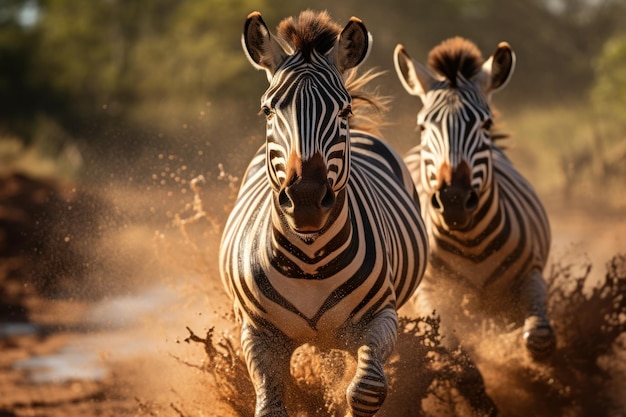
(309,288)
(489,233)
(325,240)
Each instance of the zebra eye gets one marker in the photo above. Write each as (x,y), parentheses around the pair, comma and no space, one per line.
(345,113)
(266,111)
(487,124)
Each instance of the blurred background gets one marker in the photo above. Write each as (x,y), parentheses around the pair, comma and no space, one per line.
(124,126)
(91,91)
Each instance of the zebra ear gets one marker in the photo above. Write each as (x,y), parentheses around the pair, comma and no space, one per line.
(260,46)
(353,45)
(498,69)
(416,79)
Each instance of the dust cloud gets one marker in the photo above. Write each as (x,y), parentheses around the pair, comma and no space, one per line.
(585,376)
(132,298)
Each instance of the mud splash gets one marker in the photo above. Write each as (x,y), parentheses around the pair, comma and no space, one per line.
(157,335)
(584,377)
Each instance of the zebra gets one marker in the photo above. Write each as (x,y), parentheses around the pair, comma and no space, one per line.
(325,241)
(489,233)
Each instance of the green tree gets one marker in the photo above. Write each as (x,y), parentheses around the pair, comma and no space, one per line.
(126,75)
(609,90)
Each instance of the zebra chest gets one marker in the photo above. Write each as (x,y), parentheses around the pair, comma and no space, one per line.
(310,301)
(494,262)
(309,307)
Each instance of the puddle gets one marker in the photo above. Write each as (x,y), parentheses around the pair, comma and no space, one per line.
(130,310)
(117,333)
(17,329)
(69,364)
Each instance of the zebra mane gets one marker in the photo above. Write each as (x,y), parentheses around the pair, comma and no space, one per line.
(497,135)
(367,106)
(455,56)
(315,31)
(460,56)
(311,31)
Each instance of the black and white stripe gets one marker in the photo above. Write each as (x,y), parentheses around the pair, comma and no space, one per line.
(337,286)
(496,242)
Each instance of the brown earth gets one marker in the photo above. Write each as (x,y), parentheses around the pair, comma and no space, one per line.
(111,306)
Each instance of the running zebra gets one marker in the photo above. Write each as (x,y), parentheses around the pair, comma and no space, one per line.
(489,234)
(326,239)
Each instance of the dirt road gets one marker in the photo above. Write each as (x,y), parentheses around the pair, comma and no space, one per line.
(94,322)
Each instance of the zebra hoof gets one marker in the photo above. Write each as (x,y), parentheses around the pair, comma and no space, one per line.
(539,338)
(367,392)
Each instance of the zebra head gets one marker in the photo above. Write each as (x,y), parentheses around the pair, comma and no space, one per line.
(307,107)
(455,123)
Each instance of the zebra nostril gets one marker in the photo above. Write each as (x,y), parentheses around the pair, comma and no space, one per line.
(283,199)
(328,201)
(471,202)
(436,201)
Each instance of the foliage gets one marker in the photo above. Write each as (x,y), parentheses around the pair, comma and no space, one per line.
(609,90)
(113,56)
(122,77)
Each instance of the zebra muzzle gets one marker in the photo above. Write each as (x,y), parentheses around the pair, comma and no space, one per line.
(306,205)
(457,205)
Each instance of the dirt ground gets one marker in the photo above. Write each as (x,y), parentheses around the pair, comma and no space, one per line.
(110,307)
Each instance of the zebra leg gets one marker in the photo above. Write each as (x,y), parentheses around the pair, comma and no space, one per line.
(368,389)
(539,335)
(267,357)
